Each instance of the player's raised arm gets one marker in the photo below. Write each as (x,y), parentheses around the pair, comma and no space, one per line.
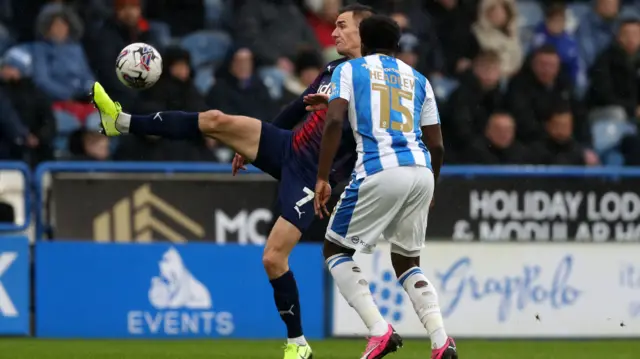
(431,132)
(341,90)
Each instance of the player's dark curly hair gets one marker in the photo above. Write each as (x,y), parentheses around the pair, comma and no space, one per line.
(379,34)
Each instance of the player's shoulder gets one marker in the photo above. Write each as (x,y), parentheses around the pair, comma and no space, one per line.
(333,65)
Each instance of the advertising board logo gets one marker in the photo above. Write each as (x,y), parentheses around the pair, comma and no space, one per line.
(387,291)
(7,308)
(514,290)
(182,304)
(131,218)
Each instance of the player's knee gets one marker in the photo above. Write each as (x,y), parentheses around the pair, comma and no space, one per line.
(212,121)
(274,262)
(330,249)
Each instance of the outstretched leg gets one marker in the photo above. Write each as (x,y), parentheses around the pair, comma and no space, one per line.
(241,133)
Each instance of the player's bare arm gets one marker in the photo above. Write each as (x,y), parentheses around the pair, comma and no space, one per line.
(328,148)
(432,137)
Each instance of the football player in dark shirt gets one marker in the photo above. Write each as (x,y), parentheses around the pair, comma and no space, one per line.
(289,156)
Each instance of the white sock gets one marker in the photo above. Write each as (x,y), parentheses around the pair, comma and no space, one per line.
(355,289)
(299,340)
(425,302)
(123,122)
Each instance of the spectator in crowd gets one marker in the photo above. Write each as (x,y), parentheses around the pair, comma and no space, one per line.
(497,30)
(615,76)
(597,29)
(238,89)
(409,49)
(534,91)
(60,66)
(452,22)
(471,104)
(498,146)
(429,58)
(31,105)
(87,145)
(14,135)
(322,17)
(308,66)
(6,33)
(182,16)
(274,30)
(552,32)
(104,44)
(558,147)
(175,89)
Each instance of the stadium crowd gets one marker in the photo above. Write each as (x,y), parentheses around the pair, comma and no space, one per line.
(518,82)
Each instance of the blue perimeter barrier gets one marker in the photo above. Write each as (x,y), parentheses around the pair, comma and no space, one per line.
(26,171)
(199,167)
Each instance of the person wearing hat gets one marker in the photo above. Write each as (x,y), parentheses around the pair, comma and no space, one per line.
(32,108)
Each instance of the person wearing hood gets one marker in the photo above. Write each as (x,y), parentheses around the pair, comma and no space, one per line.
(497,30)
(239,90)
(61,69)
(31,105)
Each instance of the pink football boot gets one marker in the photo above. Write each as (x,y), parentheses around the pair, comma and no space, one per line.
(448,351)
(378,347)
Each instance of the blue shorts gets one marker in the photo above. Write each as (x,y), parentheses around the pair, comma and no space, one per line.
(297,185)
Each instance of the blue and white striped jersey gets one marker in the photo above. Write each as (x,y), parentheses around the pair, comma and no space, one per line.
(389,101)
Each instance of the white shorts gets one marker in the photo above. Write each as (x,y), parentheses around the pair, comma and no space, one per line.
(393,203)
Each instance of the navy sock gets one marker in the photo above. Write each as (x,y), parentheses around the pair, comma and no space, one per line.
(175,125)
(285,292)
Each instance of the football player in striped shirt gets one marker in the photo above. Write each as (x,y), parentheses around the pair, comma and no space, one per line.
(392,110)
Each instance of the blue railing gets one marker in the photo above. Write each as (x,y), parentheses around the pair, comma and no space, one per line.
(26,172)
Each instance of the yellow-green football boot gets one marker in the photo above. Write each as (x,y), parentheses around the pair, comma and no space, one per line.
(109,110)
(295,351)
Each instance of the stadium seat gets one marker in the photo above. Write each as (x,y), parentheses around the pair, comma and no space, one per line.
(575,13)
(443,87)
(92,122)
(612,158)
(204,78)
(214,11)
(530,16)
(66,123)
(207,47)
(630,11)
(162,31)
(607,134)
(273,79)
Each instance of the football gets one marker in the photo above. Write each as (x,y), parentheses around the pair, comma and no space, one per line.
(139,66)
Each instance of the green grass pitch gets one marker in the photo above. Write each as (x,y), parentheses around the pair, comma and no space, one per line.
(330,349)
